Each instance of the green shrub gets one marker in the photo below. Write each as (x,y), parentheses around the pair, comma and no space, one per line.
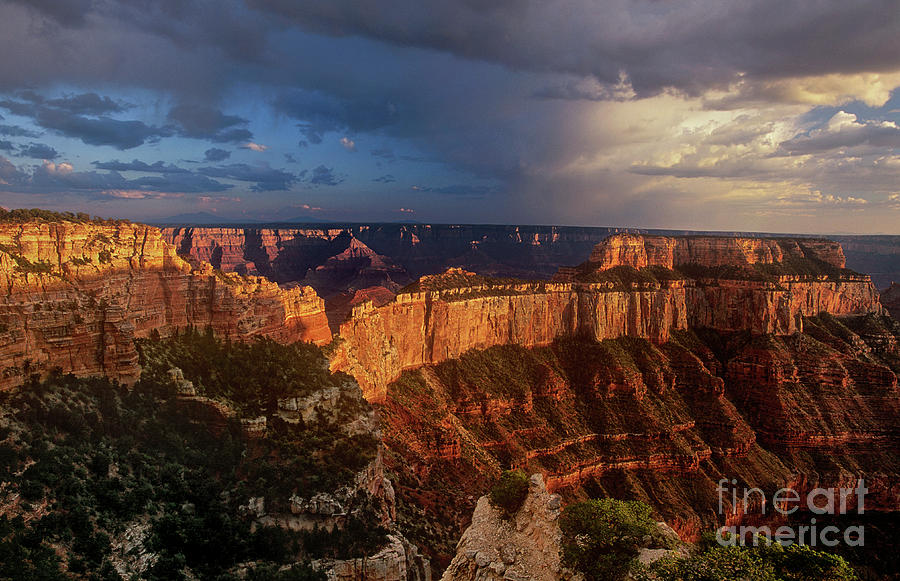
(601,538)
(803,563)
(716,564)
(509,494)
(102,456)
(20,215)
(768,562)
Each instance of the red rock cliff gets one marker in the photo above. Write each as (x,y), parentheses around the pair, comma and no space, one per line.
(76,295)
(640,251)
(429,326)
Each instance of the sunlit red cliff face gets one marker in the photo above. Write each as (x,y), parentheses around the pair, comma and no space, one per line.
(444,316)
(76,295)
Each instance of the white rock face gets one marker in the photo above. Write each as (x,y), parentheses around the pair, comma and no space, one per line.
(523,548)
(398,561)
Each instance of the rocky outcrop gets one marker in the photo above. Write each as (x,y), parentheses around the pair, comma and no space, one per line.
(356,267)
(399,560)
(524,547)
(642,250)
(890,298)
(76,295)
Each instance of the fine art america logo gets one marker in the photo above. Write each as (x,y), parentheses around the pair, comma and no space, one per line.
(785,502)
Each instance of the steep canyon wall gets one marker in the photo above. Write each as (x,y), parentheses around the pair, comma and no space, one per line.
(427,327)
(76,295)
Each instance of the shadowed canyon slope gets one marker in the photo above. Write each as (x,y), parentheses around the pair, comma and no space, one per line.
(77,294)
(652,370)
(661,423)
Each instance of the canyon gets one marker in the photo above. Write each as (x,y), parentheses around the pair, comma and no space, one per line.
(77,295)
(443,316)
(285,252)
(632,365)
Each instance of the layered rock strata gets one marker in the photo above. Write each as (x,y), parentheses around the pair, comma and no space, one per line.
(443,316)
(76,295)
(662,423)
(643,250)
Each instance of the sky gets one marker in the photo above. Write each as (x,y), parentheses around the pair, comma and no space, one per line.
(752,115)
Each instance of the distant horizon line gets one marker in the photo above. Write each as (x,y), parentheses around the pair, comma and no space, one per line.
(250,223)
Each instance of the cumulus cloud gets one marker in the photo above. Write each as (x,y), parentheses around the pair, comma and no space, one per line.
(816,198)
(324,176)
(38,151)
(79,104)
(204,122)
(266,178)
(348,144)
(215,154)
(67,116)
(138,165)
(845,130)
(873,89)
(9,174)
(16,131)
(51,177)
(254,146)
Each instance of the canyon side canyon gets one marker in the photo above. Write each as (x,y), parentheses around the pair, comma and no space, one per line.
(655,367)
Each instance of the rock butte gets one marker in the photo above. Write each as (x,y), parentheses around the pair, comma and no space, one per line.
(76,295)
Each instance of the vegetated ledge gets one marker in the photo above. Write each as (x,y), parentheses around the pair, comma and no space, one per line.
(630,290)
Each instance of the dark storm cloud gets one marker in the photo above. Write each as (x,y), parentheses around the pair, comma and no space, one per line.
(16,131)
(689,46)
(324,176)
(65,12)
(215,154)
(81,104)
(6,145)
(321,113)
(137,165)
(100,130)
(38,151)
(267,178)
(205,122)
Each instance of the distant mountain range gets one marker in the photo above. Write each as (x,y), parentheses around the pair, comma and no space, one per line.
(207,218)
